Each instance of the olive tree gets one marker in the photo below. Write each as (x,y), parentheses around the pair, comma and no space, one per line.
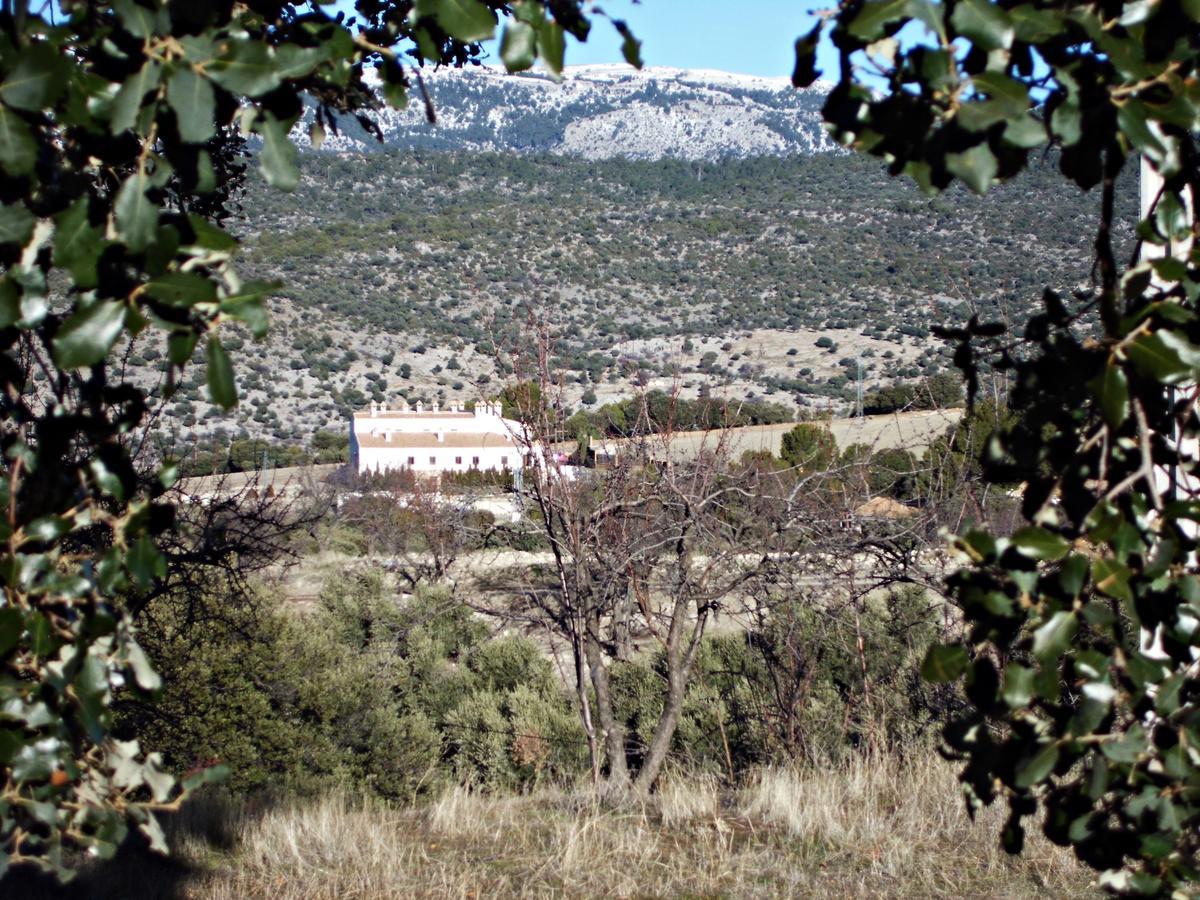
(123,132)
(1079,654)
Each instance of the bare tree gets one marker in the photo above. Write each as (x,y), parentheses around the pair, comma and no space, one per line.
(649,543)
(420,529)
(228,531)
(648,546)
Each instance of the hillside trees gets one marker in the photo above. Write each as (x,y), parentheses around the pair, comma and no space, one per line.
(809,447)
(1081,639)
(941,391)
(121,146)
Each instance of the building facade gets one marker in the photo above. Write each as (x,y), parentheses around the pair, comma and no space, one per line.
(434,440)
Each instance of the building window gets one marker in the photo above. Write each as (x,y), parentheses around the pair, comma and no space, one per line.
(412,460)
(474,460)
(433,460)
(504,460)
(458,460)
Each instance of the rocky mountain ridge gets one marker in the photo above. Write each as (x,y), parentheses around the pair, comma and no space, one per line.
(600,112)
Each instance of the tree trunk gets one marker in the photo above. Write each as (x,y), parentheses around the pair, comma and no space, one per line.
(664,731)
(622,624)
(585,711)
(614,732)
(679,670)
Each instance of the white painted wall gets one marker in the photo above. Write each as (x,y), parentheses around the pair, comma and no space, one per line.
(432,460)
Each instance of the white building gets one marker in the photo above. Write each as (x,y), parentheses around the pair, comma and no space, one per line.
(435,440)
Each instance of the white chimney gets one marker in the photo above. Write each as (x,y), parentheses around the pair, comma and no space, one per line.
(420,406)
(374,409)
(387,436)
(436,406)
(441,436)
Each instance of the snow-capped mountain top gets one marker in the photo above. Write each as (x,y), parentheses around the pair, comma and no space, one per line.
(602,111)
(702,77)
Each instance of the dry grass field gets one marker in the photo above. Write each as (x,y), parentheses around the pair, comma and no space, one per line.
(908,430)
(867,828)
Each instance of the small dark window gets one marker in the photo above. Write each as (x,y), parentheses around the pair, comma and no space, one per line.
(412,461)
(504,460)
(433,460)
(474,460)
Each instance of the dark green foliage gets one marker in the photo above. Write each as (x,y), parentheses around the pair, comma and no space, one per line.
(489,479)
(894,472)
(251,454)
(793,686)
(122,151)
(1080,639)
(657,412)
(952,475)
(941,391)
(329,447)
(392,697)
(521,401)
(809,447)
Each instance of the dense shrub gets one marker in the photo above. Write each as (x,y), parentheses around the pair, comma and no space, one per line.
(941,391)
(399,696)
(795,686)
(810,447)
(394,697)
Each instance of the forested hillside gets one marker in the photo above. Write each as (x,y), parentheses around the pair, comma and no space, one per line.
(411,274)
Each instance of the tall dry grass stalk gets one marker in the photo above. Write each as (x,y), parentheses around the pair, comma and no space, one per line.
(867,827)
(902,823)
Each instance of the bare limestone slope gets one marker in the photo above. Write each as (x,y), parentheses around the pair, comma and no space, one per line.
(602,112)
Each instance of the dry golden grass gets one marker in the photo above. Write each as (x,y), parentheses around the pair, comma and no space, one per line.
(867,828)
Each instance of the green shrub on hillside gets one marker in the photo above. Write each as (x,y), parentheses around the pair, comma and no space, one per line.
(394,697)
(809,447)
(397,697)
(795,687)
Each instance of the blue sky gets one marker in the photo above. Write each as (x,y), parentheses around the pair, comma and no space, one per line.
(755,37)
